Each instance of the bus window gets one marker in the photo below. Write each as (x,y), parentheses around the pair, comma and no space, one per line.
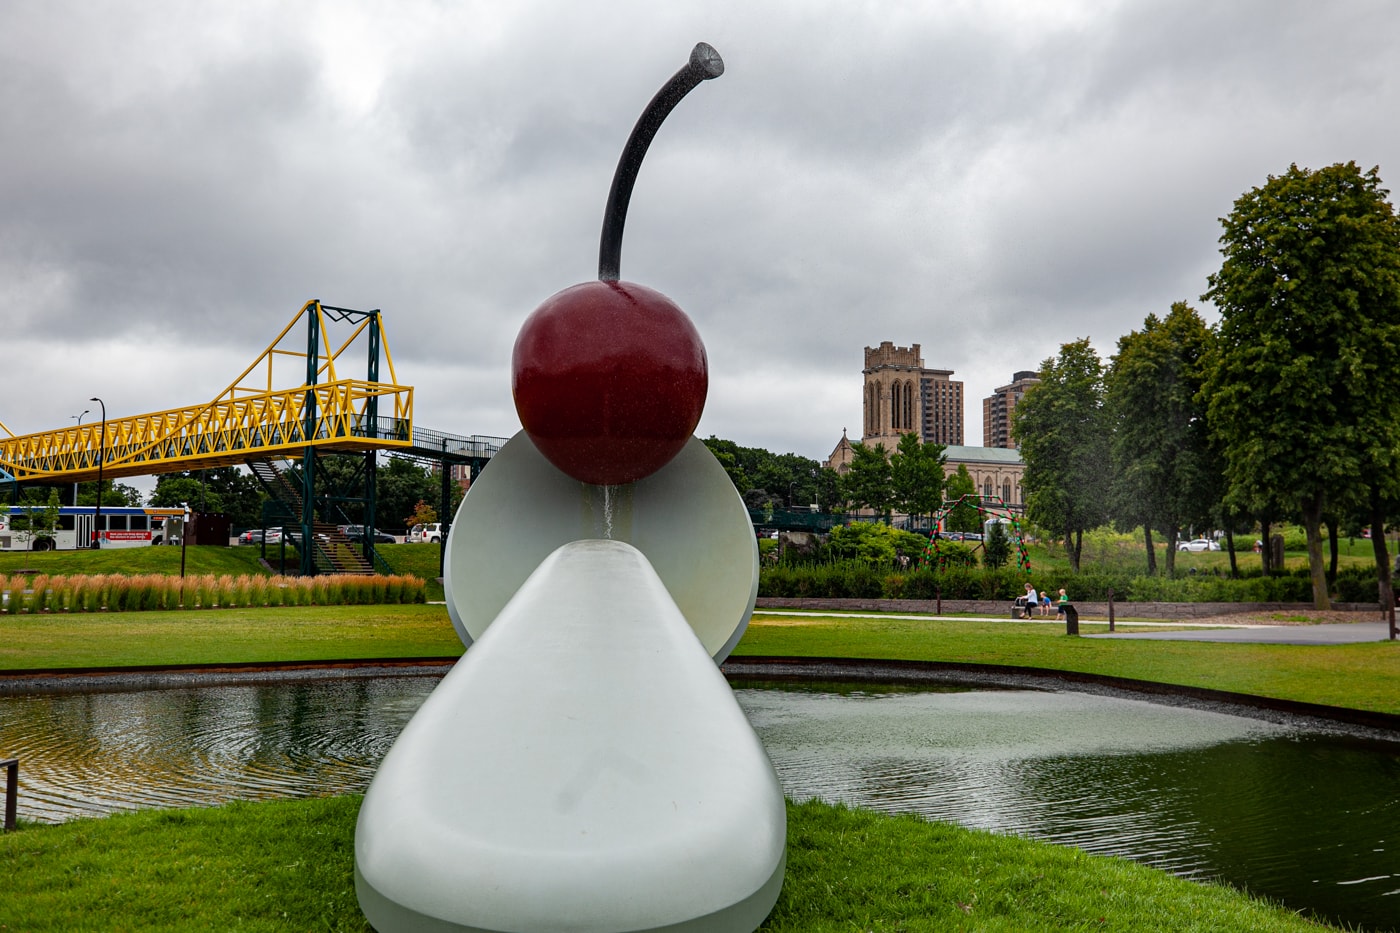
(115,522)
(67,522)
(138,523)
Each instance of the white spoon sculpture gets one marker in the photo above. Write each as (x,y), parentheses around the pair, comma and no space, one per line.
(585,767)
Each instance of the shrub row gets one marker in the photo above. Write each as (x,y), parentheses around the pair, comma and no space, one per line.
(144,592)
(856,580)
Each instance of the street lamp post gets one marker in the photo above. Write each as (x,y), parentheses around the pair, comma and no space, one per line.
(101,455)
(80,424)
(184,538)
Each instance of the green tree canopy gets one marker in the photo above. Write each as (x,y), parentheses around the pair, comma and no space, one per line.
(36,518)
(916,475)
(964,515)
(996,548)
(791,480)
(1164,476)
(869,482)
(229,490)
(1063,434)
(112,494)
(874,543)
(1303,386)
(402,484)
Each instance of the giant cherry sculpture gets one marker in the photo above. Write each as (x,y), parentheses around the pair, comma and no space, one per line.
(610,377)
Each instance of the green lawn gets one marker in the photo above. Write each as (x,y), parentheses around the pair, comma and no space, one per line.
(1361,676)
(287,865)
(300,633)
(419,560)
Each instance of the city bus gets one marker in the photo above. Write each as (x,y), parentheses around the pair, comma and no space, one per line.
(122,526)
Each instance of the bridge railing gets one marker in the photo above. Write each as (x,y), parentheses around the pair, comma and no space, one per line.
(476,446)
(335,415)
(785,520)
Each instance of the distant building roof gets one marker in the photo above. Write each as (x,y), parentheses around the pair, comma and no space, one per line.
(960,454)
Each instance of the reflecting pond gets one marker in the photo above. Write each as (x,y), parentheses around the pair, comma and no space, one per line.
(1308,818)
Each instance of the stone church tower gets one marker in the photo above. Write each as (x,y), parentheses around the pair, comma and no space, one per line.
(902,397)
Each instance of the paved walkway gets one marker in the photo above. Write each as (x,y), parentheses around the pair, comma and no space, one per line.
(1342,633)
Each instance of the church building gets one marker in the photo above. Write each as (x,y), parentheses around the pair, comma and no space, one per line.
(903,396)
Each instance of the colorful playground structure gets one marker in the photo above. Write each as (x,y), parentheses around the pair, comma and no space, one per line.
(989,509)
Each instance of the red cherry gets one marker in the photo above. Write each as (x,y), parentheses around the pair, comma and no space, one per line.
(610,377)
(609,380)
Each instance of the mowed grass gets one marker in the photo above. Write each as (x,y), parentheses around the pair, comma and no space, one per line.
(1361,676)
(420,560)
(288,865)
(224,636)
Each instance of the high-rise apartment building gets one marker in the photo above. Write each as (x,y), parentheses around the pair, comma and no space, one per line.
(903,397)
(998,409)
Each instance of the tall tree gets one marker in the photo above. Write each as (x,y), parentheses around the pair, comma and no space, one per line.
(916,475)
(795,480)
(1303,388)
(230,490)
(996,549)
(35,520)
(112,494)
(1163,473)
(869,482)
(828,490)
(1063,433)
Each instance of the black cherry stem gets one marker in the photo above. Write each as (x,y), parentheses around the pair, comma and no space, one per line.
(704,64)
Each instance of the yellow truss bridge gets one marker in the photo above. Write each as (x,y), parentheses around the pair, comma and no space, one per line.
(291,401)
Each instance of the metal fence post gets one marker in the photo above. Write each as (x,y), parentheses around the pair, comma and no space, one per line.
(1110,608)
(11,766)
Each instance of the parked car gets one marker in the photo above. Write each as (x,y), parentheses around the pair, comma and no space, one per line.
(1198,544)
(357,533)
(259,536)
(430,533)
(274,536)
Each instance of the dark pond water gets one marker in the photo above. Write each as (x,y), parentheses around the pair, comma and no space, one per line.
(1308,818)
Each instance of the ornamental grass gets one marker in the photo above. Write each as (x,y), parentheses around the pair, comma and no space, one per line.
(115,592)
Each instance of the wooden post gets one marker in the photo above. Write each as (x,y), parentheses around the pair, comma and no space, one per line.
(1110,608)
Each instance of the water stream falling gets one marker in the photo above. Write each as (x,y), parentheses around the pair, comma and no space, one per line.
(608,512)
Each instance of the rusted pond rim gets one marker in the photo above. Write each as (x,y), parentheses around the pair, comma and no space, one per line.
(870,670)
(737,668)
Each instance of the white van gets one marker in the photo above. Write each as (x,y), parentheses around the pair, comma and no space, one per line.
(430,533)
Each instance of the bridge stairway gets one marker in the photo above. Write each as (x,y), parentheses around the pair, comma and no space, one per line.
(331,550)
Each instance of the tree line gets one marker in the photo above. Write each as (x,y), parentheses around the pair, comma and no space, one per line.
(910,479)
(1287,410)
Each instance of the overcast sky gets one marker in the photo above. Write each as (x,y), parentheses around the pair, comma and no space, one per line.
(987,179)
